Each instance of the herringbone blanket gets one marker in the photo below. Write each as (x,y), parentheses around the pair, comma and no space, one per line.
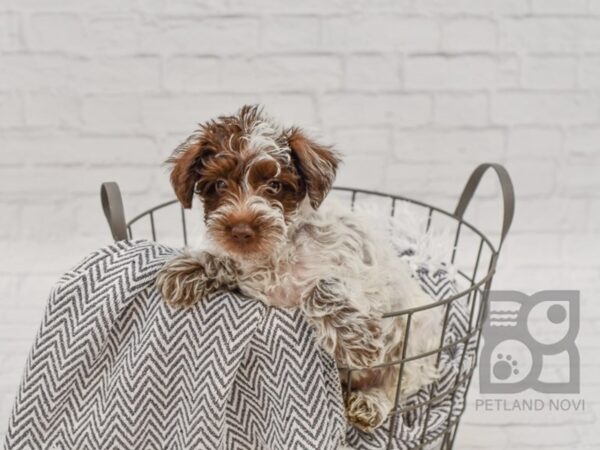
(113,367)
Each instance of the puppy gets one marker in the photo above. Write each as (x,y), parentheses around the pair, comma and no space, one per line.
(261,186)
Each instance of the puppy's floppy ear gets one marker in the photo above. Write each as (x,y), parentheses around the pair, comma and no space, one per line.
(316,163)
(186,161)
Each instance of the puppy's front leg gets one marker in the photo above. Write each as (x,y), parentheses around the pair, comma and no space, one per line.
(353,336)
(188,278)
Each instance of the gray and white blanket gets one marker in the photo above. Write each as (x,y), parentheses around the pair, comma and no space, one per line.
(113,367)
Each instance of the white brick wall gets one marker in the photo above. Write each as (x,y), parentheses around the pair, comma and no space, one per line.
(414,92)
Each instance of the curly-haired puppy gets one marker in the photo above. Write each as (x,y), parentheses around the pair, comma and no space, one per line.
(261,186)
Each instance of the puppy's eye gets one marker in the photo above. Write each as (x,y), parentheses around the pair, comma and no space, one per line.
(274,187)
(220,186)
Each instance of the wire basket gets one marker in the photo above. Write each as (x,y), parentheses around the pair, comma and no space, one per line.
(472,254)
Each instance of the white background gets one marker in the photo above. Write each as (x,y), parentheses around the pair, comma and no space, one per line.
(414,93)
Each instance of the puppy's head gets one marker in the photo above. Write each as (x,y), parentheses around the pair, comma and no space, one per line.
(252,176)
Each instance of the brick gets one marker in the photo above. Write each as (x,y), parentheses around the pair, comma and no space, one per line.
(43,72)
(559,7)
(381,33)
(112,113)
(594,212)
(13,336)
(121,75)
(508,72)
(589,72)
(533,178)
(291,109)
(544,108)
(579,180)
(550,215)
(372,73)
(471,34)
(10,29)
(88,219)
(583,142)
(47,221)
(91,6)
(430,145)
(56,32)
(461,109)
(110,34)
(290,34)
(587,345)
(509,7)
(11,110)
(382,6)
(551,34)
(34,288)
(534,250)
(25,257)
(16,317)
(362,141)
(282,73)
(402,110)
(458,72)
(549,72)
(163,191)
(520,278)
(10,220)
(9,285)
(214,35)
(194,6)
(534,142)
(52,110)
(564,436)
(69,151)
(420,180)
(182,113)
(71,32)
(482,437)
(473,7)
(355,175)
(288,7)
(407,110)
(177,113)
(192,74)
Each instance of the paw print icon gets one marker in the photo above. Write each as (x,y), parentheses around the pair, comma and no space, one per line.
(525,335)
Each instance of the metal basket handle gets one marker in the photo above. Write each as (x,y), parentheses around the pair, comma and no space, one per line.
(112,204)
(508,195)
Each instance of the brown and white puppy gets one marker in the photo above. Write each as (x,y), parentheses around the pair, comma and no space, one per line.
(261,186)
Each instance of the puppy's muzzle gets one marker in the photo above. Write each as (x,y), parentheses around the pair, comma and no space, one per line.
(242,233)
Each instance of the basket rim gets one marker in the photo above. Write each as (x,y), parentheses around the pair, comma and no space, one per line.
(394,197)
(474,285)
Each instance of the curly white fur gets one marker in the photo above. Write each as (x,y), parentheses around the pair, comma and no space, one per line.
(369,280)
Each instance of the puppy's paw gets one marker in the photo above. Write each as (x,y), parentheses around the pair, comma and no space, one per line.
(184,281)
(353,337)
(367,410)
(360,344)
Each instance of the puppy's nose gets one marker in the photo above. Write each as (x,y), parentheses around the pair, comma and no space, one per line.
(242,233)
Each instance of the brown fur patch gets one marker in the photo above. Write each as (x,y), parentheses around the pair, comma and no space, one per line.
(317,164)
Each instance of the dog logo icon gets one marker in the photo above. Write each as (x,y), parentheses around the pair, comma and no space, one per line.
(526,335)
